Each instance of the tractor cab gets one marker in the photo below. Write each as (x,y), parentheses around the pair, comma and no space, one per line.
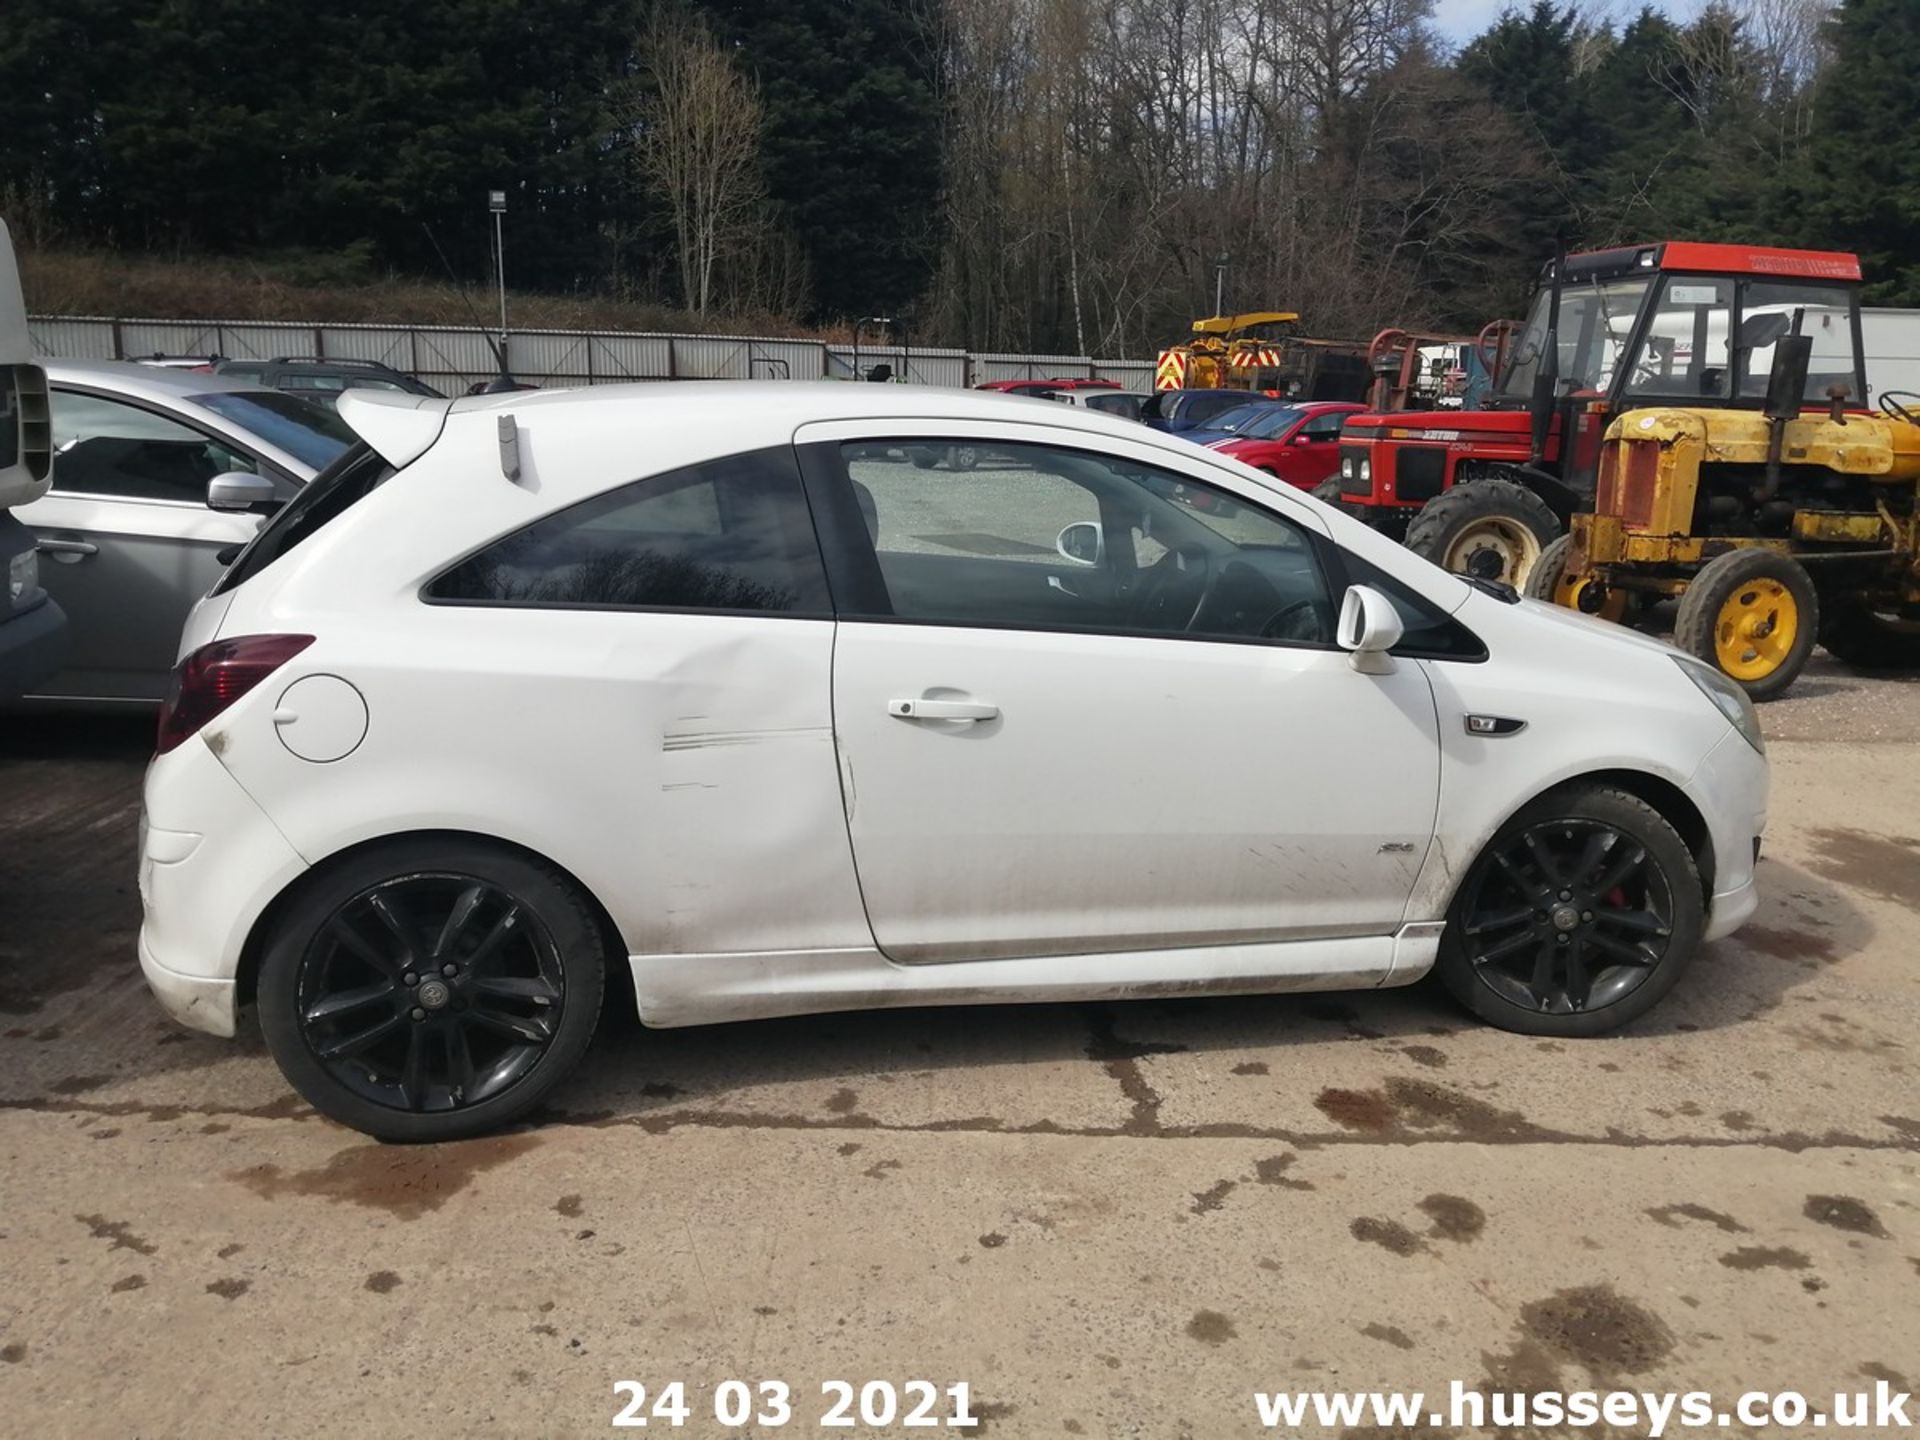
(1677,323)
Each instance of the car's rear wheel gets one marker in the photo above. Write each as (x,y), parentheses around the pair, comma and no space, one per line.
(431,989)
(1579,916)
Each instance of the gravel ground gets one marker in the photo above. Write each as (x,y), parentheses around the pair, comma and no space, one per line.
(1109,1220)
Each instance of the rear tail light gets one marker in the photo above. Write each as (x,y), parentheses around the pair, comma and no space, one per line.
(216,675)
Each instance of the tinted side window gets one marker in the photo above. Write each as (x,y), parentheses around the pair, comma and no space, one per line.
(347,481)
(107,447)
(730,534)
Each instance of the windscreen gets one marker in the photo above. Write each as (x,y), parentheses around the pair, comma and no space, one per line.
(1596,321)
(313,436)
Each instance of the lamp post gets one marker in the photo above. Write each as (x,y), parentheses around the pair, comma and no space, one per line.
(497,205)
(1220,264)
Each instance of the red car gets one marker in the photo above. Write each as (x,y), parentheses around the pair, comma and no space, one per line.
(1299,444)
(1045,387)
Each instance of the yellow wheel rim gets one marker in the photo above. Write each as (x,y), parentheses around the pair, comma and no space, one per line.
(1755,630)
(1590,597)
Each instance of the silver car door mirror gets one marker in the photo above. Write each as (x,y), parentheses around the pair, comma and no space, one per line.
(239,490)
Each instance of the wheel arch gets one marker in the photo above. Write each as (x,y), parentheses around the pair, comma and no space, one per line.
(1665,798)
(246,975)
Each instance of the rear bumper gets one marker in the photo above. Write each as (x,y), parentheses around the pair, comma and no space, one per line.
(32,645)
(196,1002)
(211,861)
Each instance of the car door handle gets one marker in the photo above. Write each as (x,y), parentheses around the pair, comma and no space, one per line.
(67,552)
(942,710)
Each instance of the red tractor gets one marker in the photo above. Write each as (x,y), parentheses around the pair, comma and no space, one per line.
(1482,492)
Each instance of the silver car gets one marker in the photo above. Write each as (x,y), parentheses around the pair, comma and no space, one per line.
(130,535)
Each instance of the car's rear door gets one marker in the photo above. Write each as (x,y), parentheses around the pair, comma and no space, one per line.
(126,539)
(1044,757)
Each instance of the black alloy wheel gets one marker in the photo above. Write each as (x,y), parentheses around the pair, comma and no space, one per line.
(1577,918)
(431,990)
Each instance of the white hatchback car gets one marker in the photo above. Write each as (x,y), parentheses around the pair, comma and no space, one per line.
(714,683)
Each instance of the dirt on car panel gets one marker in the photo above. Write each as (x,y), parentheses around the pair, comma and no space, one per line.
(1886,866)
(406,1182)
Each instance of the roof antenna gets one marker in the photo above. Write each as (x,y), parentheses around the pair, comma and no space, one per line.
(505,381)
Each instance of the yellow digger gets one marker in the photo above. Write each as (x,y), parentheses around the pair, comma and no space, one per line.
(1260,351)
(1777,527)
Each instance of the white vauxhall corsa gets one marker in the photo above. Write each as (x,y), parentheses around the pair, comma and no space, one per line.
(715,683)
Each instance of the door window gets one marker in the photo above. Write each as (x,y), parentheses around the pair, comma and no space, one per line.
(730,534)
(1323,429)
(1051,538)
(107,447)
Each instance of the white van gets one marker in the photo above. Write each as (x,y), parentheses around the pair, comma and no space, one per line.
(32,628)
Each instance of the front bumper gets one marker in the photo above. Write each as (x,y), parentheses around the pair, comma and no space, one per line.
(211,861)
(1730,789)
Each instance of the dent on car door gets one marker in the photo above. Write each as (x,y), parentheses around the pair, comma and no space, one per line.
(127,540)
(1157,749)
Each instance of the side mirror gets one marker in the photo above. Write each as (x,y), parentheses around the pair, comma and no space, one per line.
(1083,543)
(1369,627)
(240,490)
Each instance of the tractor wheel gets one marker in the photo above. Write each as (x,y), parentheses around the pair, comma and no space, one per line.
(1327,490)
(1754,614)
(1492,529)
(1550,582)
(1854,632)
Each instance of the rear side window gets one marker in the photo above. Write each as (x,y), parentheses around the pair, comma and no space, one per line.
(346,482)
(732,535)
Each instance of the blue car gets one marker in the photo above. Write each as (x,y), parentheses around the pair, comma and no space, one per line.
(1178,411)
(1257,420)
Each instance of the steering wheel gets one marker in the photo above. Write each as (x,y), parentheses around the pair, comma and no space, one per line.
(1160,598)
(1893,407)
(1305,621)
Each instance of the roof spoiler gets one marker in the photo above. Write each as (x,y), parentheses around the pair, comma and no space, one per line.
(398,428)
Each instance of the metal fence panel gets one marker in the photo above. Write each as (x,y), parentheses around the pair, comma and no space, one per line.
(453,357)
(73,339)
(265,342)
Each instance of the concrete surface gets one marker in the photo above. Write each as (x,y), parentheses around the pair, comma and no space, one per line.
(1114,1220)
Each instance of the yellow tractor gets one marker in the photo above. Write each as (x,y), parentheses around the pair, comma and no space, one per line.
(1776,527)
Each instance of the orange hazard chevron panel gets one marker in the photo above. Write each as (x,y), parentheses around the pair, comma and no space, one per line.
(1171,371)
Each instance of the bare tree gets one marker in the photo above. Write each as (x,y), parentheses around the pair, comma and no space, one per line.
(695,132)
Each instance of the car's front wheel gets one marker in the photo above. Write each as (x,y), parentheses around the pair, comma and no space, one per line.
(431,989)
(1577,918)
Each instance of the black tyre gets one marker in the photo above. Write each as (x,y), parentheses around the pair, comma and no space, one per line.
(431,989)
(1868,639)
(1543,581)
(1550,582)
(1493,529)
(1576,919)
(1754,614)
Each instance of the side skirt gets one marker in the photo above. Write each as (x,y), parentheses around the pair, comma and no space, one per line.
(676,990)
